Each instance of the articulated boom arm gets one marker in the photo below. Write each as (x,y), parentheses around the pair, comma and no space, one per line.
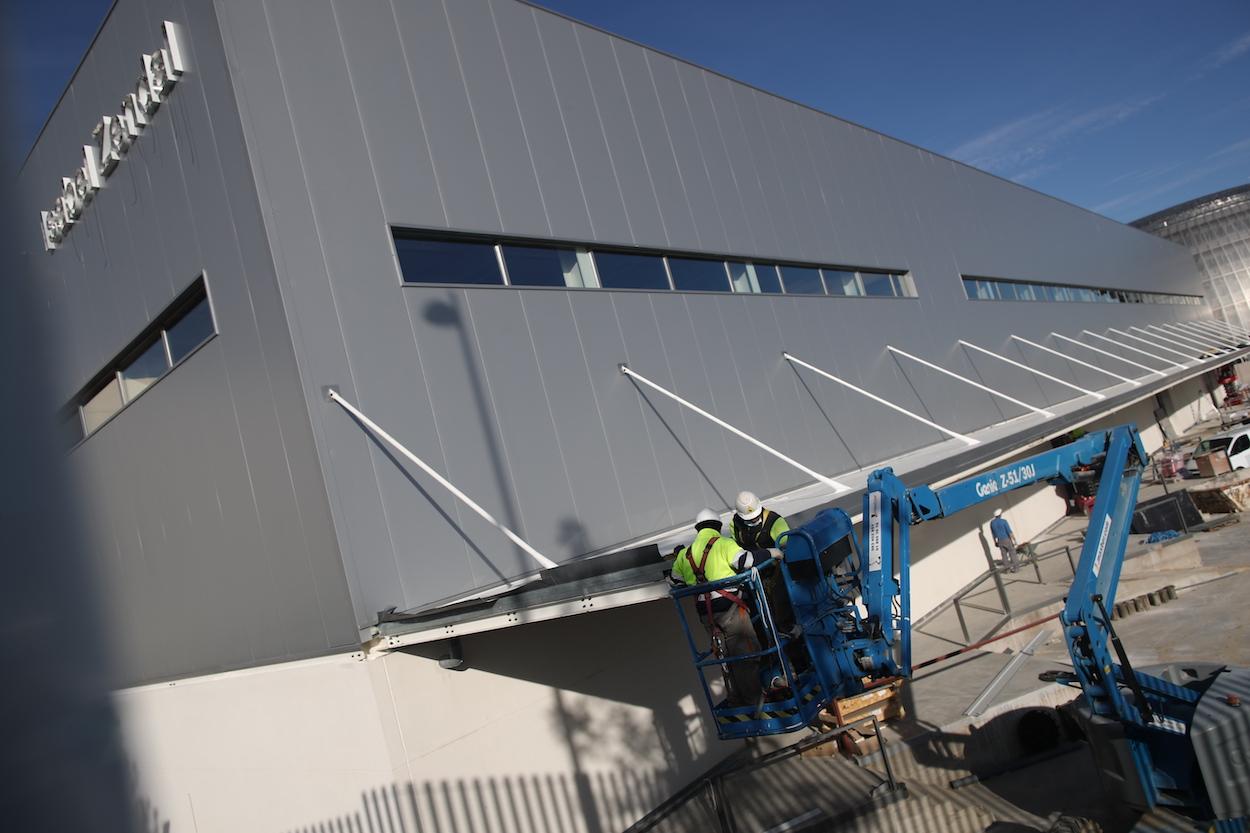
(890,509)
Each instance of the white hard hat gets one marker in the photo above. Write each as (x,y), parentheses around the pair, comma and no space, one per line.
(706,515)
(749,506)
(998,513)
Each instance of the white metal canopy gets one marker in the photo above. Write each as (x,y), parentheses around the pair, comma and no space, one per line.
(1130,347)
(1062,337)
(968,381)
(966,439)
(1022,366)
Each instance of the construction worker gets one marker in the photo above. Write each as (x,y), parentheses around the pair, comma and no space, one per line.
(710,557)
(755,526)
(1005,540)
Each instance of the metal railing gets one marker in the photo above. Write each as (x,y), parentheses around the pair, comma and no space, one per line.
(1005,612)
(712,785)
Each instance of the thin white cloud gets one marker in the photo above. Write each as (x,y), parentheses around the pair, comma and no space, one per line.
(1230,52)
(1036,172)
(1235,147)
(1016,147)
(1141,195)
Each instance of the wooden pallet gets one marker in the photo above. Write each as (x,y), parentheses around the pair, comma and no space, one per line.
(882,700)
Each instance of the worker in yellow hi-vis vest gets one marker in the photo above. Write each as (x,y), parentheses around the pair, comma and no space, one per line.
(710,557)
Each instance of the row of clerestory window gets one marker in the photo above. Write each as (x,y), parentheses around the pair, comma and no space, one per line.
(173,335)
(426,259)
(998,289)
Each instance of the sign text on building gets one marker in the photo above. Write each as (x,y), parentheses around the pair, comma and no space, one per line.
(112,137)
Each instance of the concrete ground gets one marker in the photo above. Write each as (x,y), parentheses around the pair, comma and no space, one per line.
(937,742)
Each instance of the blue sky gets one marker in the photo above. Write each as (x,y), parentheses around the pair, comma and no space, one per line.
(1121,107)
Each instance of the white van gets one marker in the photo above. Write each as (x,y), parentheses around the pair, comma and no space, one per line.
(1235,443)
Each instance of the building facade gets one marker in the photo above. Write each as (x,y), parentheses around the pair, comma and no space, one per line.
(1216,229)
(463,219)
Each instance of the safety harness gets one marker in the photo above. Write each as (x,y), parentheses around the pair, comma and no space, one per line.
(701,576)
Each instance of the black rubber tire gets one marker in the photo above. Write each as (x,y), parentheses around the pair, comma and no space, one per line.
(1074,824)
(1039,730)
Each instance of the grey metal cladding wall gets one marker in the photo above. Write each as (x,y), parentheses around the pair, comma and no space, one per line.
(495,116)
(209,517)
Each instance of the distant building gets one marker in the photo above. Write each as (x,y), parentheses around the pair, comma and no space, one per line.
(1216,228)
(464,218)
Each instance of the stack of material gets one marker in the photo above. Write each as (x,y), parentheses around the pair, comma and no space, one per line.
(882,701)
(1227,493)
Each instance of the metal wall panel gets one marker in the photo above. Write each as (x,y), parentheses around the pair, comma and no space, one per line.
(206,508)
(496,116)
(563,201)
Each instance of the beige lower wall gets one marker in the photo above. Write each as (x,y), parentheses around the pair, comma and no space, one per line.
(581,725)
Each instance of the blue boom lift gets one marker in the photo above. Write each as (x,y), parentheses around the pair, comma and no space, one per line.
(1174,739)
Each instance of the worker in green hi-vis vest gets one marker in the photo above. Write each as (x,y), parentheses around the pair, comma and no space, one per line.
(758,527)
(710,557)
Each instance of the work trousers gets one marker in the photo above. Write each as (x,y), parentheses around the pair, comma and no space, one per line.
(739,636)
(1010,559)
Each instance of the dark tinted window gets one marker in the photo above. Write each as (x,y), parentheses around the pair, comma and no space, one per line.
(447,261)
(800,280)
(540,266)
(146,368)
(766,275)
(841,282)
(624,271)
(698,275)
(190,331)
(877,284)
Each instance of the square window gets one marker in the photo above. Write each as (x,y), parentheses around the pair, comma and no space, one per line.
(447,261)
(877,285)
(766,278)
(190,331)
(146,368)
(618,270)
(691,275)
(741,278)
(904,286)
(842,282)
(801,280)
(542,266)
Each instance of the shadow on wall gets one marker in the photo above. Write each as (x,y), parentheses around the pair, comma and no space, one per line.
(522,803)
(624,722)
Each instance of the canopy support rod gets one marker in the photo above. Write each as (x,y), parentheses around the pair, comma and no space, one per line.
(1226,332)
(879,400)
(1101,370)
(1158,337)
(1236,331)
(1194,331)
(1156,345)
(1205,345)
(1022,366)
(1123,346)
(968,381)
(442,481)
(624,368)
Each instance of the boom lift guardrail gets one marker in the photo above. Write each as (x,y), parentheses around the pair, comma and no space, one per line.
(1156,740)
